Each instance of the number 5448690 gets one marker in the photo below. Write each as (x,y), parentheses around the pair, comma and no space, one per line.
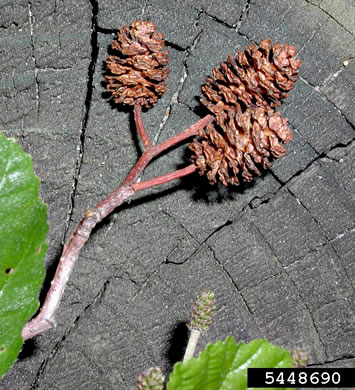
(302,378)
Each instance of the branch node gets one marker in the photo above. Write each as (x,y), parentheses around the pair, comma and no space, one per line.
(94,213)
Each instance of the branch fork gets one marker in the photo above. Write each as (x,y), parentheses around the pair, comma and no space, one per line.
(45,319)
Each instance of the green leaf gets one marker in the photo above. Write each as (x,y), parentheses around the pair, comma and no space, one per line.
(223,365)
(23,234)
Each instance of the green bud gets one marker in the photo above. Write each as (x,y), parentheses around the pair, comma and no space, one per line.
(151,379)
(202,312)
(300,358)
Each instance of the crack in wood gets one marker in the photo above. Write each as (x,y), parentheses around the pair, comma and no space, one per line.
(233,282)
(330,15)
(31,24)
(297,290)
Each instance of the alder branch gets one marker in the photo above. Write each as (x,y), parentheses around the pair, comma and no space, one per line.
(45,320)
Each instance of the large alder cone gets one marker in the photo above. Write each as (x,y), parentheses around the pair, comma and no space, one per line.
(247,133)
(137,70)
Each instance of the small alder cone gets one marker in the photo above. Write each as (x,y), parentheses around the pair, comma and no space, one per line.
(247,132)
(137,70)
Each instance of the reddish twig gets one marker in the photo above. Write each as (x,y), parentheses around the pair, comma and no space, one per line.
(45,319)
(143,185)
(140,126)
